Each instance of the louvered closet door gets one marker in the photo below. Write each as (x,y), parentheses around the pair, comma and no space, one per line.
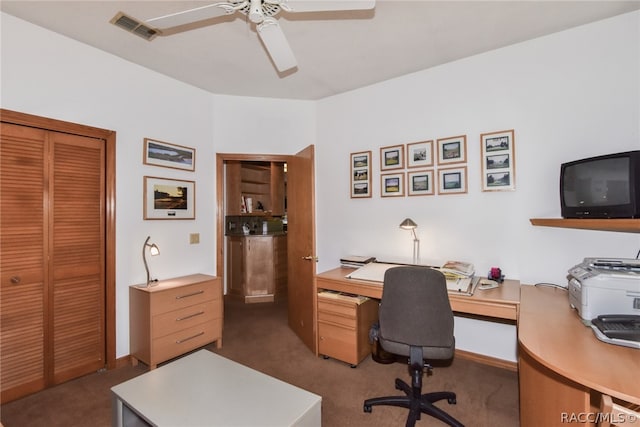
(52,253)
(23,230)
(77,226)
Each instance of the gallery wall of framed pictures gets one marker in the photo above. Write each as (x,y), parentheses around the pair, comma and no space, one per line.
(430,167)
(168,198)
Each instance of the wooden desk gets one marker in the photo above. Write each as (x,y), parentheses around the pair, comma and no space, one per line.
(501,303)
(563,368)
(498,303)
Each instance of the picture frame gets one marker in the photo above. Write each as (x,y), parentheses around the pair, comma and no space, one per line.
(392,184)
(164,154)
(452,150)
(361,175)
(392,157)
(420,154)
(452,180)
(169,198)
(420,183)
(498,160)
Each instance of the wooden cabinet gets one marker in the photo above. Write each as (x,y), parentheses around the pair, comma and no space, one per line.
(257,267)
(343,326)
(174,317)
(264,182)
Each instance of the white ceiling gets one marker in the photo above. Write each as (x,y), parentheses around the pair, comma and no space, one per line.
(336,52)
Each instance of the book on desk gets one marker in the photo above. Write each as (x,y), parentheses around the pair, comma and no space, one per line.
(459,282)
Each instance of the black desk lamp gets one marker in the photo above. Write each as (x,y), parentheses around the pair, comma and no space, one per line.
(153,251)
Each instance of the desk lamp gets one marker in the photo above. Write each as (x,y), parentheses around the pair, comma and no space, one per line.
(408,224)
(153,251)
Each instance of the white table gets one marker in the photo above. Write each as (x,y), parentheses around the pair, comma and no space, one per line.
(205,389)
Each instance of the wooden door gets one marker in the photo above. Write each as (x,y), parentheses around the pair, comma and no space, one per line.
(301,245)
(77,248)
(52,247)
(23,269)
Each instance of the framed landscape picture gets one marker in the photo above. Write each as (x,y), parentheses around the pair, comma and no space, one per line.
(420,183)
(158,153)
(361,175)
(420,154)
(392,184)
(498,161)
(169,198)
(392,157)
(452,150)
(452,180)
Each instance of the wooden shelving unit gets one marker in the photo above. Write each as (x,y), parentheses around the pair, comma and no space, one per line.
(264,182)
(622,225)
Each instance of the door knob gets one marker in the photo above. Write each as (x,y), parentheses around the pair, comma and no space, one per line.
(16,280)
(310,258)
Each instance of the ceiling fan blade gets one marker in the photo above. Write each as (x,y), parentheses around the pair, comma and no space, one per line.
(276,44)
(323,5)
(194,15)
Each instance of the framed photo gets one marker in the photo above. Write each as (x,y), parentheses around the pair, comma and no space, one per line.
(420,183)
(452,180)
(392,157)
(361,175)
(392,184)
(169,198)
(158,153)
(420,154)
(452,150)
(498,161)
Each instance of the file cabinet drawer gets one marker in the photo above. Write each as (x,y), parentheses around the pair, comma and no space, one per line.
(343,326)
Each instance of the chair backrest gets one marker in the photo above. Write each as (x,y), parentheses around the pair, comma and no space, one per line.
(613,414)
(415,308)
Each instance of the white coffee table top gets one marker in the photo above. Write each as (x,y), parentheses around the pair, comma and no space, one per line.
(205,389)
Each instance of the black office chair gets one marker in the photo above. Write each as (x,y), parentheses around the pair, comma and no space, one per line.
(416,321)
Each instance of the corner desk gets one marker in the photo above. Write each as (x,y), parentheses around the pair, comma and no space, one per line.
(563,369)
(501,303)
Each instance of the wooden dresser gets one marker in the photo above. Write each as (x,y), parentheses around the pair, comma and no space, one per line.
(173,317)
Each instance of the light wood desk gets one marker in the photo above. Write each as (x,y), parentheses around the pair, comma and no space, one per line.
(563,368)
(500,304)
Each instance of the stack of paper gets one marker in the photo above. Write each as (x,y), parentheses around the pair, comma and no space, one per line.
(356,261)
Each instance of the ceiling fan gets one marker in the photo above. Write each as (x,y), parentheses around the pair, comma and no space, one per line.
(260,12)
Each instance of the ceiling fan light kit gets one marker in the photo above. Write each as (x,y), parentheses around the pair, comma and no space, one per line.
(259,12)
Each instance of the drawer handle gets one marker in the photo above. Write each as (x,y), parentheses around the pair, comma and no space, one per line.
(190,295)
(189,338)
(190,316)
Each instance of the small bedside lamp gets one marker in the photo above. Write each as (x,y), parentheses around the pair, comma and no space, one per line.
(153,251)
(408,224)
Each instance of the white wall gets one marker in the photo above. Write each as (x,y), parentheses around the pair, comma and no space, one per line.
(49,75)
(567,96)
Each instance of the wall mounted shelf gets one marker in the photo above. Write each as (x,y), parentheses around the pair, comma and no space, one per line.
(623,225)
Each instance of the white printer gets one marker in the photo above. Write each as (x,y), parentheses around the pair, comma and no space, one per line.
(605,286)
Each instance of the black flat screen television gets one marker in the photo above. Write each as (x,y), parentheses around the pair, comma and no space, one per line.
(601,187)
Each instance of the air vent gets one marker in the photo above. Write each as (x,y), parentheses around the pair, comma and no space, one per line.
(134,26)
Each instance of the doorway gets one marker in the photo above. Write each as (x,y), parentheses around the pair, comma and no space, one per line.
(301,249)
